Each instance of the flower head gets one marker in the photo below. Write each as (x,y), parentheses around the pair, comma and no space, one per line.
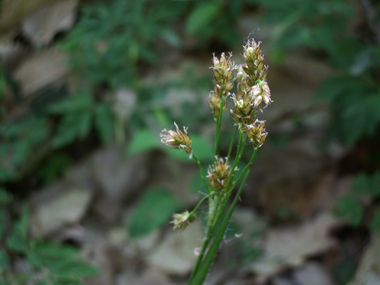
(181,221)
(256,133)
(218,174)
(254,59)
(177,139)
(223,74)
(214,103)
(260,94)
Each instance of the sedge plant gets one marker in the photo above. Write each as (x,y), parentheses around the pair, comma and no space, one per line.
(252,94)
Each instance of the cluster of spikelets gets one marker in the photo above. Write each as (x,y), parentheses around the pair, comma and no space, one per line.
(252,94)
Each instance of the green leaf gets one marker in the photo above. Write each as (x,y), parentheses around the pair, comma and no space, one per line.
(17,240)
(3,84)
(361,119)
(332,87)
(104,123)
(348,207)
(4,259)
(375,222)
(201,17)
(21,150)
(201,148)
(54,167)
(143,140)
(69,281)
(366,185)
(72,269)
(78,102)
(50,254)
(295,36)
(72,126)
(360,185)
(154,209)
(51,251)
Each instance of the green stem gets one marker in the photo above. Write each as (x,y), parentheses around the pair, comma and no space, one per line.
(201,172)
(232,141)
(218,124)
(229,191)
(245,168)
(201,254)
(204,198)
(201,275)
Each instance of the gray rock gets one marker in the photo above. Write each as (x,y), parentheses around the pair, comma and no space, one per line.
(59,209)
(41,26)
(312,274)
(118,178)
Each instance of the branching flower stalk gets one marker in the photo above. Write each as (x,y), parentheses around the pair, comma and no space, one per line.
(252,94)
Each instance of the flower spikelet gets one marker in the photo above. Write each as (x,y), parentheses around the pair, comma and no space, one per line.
(254,59)
(260,94)
(181,221)
(256,133)
(214,103)
(218,174)
(223,74)
(177,139)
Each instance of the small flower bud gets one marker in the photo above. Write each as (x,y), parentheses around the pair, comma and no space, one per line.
(177,139)
(181,221)
(215,102)
(256,133)
(218,173)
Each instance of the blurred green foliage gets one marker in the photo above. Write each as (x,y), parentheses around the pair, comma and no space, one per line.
(113,43)
(46,262)
(325,28)
(329,30)
(155,208)
(361,207)
(113,37)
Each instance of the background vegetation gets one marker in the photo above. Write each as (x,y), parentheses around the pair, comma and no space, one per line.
(115,45)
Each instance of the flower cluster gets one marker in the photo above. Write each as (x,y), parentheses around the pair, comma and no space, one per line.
(223,71)
(218,174)
(253,93)
(177,139)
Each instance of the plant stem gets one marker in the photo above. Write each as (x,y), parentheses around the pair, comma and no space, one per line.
(204,198)
(229,192)
(232,142)
(221,205)
(201,172)
(207,262)
(218,124)
(245,168)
